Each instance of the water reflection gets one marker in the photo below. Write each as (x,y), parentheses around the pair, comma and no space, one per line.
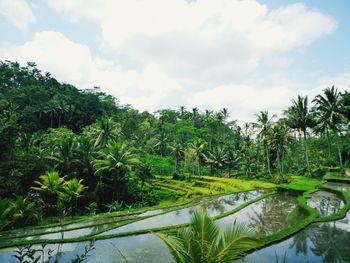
(322,242)
(339,186)
(268,215)
(326,203)
(213,206)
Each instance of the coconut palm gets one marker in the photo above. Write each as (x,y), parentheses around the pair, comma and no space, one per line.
(216,158)
(346,104)
(72,190)
(177,151)
(203,241)
(280,138)
(64,155)
(299,117)
(113,164)
(198,146)
(25,212)
(329,114)
(107,130)
(263,124)
(161,143)
(50,187)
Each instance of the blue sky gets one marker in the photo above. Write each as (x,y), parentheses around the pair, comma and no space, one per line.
(245,55)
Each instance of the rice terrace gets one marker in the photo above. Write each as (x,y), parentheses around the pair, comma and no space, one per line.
(174,131)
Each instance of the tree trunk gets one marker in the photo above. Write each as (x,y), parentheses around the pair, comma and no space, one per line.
(257,157)
(268,160)
(306,152)
(338,148)
(51,122)
(328,143)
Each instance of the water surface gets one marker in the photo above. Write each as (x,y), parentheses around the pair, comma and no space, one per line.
(213,206)
(268,215)
(326,203)
(321,242)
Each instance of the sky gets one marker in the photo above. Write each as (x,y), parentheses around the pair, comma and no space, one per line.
(244,55)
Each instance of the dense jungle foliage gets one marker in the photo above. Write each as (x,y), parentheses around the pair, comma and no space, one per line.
(65,151)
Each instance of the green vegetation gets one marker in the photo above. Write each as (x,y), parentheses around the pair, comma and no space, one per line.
(68,152)
(203,242)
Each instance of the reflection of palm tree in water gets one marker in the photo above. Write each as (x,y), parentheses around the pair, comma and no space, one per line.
(274,214)
(300,242)
(330,205)
(330,243)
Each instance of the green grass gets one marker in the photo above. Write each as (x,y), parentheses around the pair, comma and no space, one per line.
(303,183)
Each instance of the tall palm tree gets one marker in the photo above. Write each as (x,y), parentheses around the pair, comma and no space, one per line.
(346,104)
(161,143)
(113,164)
(73,189)
(216,158)
(198,146)
(232,159)
(50,186)
(225,114)
(280,139)
(64,155)
(299,117)
(177,151)
(263,124)
(329,114)
(182,112)
(203,242)
(107,130)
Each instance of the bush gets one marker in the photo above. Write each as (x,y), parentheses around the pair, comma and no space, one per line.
(91,208)
(176,176)
(321,171)
(281,179)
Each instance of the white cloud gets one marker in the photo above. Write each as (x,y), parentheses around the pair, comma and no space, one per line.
(73,62)
(18,12)
(213,54)
(244,100)
(203,41)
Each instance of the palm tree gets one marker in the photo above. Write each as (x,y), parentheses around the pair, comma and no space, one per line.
(6,213)
(217,158)
(65,155)
(329,114)
(263,124)
(203,242)
(346,104)
(107,130)
(25,212)
(50,186)
(198,146)
(182,112)
(73,189)
(280,139)
(232,160)
(177,150)
(161,143)
(113,164)
(300,118)
(225,114)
